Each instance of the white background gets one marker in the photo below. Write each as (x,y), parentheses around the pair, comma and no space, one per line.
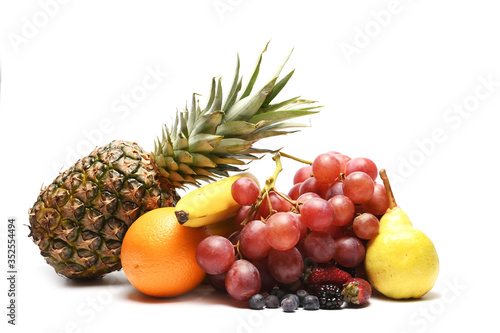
(391,76)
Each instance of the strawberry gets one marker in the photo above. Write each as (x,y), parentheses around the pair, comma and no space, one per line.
(356,291)
(326,274)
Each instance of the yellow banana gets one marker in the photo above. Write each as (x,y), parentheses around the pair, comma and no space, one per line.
(209,204)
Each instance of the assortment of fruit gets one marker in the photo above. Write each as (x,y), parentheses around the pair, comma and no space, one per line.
(314,236)
(79,220)
(321,245)
(329,295)
(332,224)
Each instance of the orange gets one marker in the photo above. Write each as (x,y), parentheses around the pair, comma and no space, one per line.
(158,254)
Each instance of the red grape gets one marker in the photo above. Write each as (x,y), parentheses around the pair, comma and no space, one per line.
(379,202)
(359,209)
(358,186)
(285,205)
(285,266)
(243,280)
(349,251)
(366,226)
(348,230)
(326,168)
(253,243)
(234,238)
(294,191)
(343,160)
(362,164)
(278,203)
(302,174)
(217,281)
(335,189)
(215,254)
(312,185)
(306,196)
(303,227)
(300,247)
(344,209)
(319,246)
(242,214)
(334,231)
(317,214)
(282,231)
(245,191)
(267,282)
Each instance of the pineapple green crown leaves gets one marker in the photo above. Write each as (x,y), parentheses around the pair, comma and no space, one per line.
(203,144)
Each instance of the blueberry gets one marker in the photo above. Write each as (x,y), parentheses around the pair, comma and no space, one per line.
(279,293)
(294,297)
(272,302)
(311,302)
(257,302)
(301,293)
(288,304)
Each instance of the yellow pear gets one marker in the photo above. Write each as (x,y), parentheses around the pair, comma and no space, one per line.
(395,218)
(401,261)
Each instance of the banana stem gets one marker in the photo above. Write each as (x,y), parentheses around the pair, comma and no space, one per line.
(295,158)
(388,189)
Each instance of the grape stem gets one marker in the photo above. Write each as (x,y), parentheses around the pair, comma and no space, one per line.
(271,181)
(293,202)
(269,185)
(388,189)
(269,201)
(295,158)
(238,252)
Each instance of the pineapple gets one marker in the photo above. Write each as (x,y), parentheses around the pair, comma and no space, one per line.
(80,219)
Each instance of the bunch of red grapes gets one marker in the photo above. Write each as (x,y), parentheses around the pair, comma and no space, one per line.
(328,215)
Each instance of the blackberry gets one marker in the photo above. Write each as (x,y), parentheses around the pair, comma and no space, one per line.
(330,297)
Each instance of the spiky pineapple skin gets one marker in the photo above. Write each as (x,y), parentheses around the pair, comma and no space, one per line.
(80,219)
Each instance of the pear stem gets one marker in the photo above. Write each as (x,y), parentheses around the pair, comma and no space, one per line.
(388,189)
